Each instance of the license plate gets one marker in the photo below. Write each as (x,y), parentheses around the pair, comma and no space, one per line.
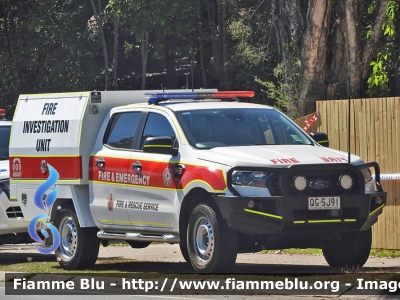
(320,203)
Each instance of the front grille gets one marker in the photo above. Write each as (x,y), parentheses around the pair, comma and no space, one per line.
(332,180)
(281,183)
(346,213)
(268,206)
(14,212)
(273,184)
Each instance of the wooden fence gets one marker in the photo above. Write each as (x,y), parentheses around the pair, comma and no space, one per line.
(374,136)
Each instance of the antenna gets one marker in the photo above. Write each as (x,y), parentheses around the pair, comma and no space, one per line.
(162,87)
(349,125)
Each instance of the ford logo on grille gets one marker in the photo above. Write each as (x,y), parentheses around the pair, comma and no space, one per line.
(319,184)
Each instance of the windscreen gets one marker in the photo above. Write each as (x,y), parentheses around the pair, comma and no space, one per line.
(4,140)
(211,128)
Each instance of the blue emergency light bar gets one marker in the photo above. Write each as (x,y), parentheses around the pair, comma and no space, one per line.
(155,98)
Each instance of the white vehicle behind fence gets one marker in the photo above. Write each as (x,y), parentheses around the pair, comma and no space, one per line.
(13,227)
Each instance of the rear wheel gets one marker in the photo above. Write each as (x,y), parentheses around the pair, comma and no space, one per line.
(212,246)
(351,251)
(79,247)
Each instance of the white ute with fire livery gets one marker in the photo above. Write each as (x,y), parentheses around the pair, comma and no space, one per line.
(203,169)
(13,228)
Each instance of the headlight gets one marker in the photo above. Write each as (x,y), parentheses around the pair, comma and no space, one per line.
(346,182)
(5,186)
(300,183)
(367,174)
(248,178)
(369,183)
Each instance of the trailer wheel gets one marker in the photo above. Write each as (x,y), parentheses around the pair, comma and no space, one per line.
(79,247)
(351,251)
(212,245)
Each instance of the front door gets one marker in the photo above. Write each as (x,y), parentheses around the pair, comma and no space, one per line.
(152,191)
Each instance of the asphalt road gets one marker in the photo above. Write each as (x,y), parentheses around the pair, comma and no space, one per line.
(166,259)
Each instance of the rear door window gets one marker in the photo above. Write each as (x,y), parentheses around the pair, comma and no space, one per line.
(122,129)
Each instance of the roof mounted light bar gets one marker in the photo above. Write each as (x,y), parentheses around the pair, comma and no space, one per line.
(155,98)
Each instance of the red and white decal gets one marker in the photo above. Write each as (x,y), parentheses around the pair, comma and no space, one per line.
(312,120)
(334,159)
(153,174)
(277,161)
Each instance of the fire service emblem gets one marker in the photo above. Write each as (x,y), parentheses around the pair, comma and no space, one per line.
(110,202)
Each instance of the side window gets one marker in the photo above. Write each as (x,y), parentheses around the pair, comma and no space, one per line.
(122,130)
(157,125)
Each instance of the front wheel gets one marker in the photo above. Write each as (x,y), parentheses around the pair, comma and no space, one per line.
(211,245)
(79,247)
(184,252)
(351,251)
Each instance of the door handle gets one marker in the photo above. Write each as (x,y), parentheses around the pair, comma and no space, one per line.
(100,162)
(137,166)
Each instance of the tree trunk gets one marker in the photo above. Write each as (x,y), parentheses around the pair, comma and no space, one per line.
(370,47)
(99,22)
(145,53)
(224,59)
(295,20)
(322,69)
(309,53)
(202,62)
(115,58)
(170,45)
(288,23)
(201,49)
(214,39)
(354,55)
(339,53)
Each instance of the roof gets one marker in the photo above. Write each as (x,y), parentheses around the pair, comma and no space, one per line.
(176,105)
(196,105)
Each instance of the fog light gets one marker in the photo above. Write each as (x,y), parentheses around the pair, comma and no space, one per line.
(378,200)
(346,181)
(251,204)
(300,183)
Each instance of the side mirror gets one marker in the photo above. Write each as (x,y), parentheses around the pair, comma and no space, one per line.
(321,138)
(160,144)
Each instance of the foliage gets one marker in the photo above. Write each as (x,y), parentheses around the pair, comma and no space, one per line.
(283,90)
(385,62)
(52,46)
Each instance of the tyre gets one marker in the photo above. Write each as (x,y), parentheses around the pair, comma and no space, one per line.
(138,245)
(211,245)
(184,251)
(79,247)
(351,251)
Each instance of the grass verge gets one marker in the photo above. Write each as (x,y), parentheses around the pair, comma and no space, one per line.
(383,253)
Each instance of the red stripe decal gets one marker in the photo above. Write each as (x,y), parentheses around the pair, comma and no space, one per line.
(30,167)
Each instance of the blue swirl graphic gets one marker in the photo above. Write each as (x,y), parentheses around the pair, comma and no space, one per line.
(50,199)
(41,190)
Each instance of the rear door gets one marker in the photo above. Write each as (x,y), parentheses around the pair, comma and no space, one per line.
(108,170)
